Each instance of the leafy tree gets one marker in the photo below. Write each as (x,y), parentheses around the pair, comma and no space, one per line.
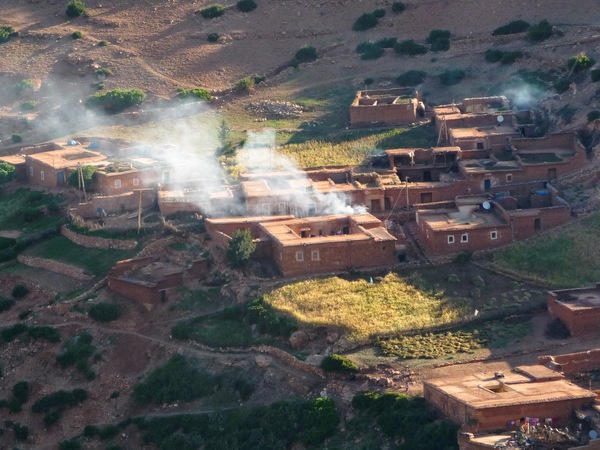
(116,100)
(75,8)
(365,21)
(212,11)
(411,78)
(88,176)
(7,172)
(246,85)
(240,248)
(580,62)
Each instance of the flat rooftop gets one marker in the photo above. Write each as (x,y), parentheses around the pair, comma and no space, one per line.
(15,160)
(487,165)
(579,299)
(483,390)
(461,133)
(68,157)
(247,220)
(434,150)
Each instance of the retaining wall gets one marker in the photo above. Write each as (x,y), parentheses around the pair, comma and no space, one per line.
(97,242)
(74,272)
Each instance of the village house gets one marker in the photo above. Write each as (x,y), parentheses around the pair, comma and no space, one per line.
(384,107)
(473,112)
(578,309)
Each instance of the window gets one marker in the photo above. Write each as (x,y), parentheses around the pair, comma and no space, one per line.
(42,176)
(118,184)
(314,255)
(136,181)
(509,177)
(266,209)
(31,171)
(493,235)
(299,256)
(464,237)
(450,239)
(480,146)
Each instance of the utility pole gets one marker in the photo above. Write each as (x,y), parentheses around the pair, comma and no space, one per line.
(407,200)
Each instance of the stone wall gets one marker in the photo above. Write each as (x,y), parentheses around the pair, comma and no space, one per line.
(115,204)
(97,242)
(574,362)
(54,266)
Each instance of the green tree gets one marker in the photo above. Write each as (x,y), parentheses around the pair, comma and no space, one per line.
(75,8)
(7,172)
(240,248)
(88,176)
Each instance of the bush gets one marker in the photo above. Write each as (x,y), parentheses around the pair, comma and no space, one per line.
(540,32)
(108,432)
(440,45)
(516,26)
(410,47)
(368,81)
(16,138)
(338,363)
(6,33)
(388,42)
(493,55)
(6,304)
(75,8)
(24,85)
(59,399)
(69,445)
(398,7)
(28,105)
(240,248)
(439,40)
(48,333)
(212,11)
(198,93)
(592,115)
(10,333)
(103,43)
(116,100)
(511,57)
(104,72)
(77,35)
(579,63)
(267,321)
(21,432)
(213,37)
(245,85)
(306,54)
(52,417)
(246,5)
(78,348)
(88,177)
(7,173)
(562,85)
(372,52)
(243,388)
(365,22)
(104,312)
(20,392)
(411,78)
(595,74)
(90,431)
(20,291)
(379,13)
(452,76)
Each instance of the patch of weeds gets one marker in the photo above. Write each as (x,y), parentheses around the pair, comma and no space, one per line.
(338,363)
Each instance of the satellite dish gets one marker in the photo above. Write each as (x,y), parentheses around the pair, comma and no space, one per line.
(500,119)
(486,205)
(593,434)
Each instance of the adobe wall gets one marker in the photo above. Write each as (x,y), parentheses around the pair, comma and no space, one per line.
(438,192)
(39,148)
(49,180)
(523,221)
(97,242)
(494,142)
(172,207)
(558,140)
(115,204)
(69,270)
(198,269)
(147,296)
(388,114)
(570,363)
(578,322)
(478,239)
(106,182)
(334,257)
(541,171)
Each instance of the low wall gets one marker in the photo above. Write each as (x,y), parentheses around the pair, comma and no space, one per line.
(74,272)
(97,242)
(574,362)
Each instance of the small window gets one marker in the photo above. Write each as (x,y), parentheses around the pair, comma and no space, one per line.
(480,146)
(493,235)
(31,171)
(118,184)
(42,176)
(509,177)
(299,256)
(464,237)
(136,181)
(450,239)
(314,255)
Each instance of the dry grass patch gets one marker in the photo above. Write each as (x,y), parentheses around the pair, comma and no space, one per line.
(364,310)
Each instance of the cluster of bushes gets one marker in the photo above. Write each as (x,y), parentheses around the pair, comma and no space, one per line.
(411,78)
(104,312)
(505,57)
(7,172)
(514,27)
(368,20)
(20,396)
(338,363)
(579,63)
(76,352)
(279,425)
(452,76)
(116,100)
(439,40)
(409,421)
(54,404)
(176,380)
(305,54)
(48,333)
(540,31)
(245,85)
(409,47)
(197,93)
(593,115)
(21,432)
(212,11)
(373,50)
(6,33)
(24,85)
(75,8)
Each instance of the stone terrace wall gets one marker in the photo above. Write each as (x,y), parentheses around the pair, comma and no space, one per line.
(97,242)
(74,272)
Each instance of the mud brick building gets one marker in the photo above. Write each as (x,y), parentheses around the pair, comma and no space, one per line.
(473,112)
(18,162)
(579,309)
(483,402)
(571,363)
(386,107)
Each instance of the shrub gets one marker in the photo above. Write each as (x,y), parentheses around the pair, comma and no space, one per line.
(595,74)
(88,177)
(306,54)
(365,22)
(516,26)
(59,399)
(16,138)
(372,52)
(212,11)
(116,100)
(99,86)
(240,248)
(440,45)
(593,115)
(213,37)
(379,13)
(69,445)
(267,321)
(52,417)
(28,105)
(246,5)
(20,291)
(562,85)
(493,55)
(77,35)
(386,42)
(410,47)
(104,312)
(243,388)
(7,173)
(511,57)
(439,40)
(78,348)
(579,63)
(398,7)
(198,93)
(24,85)
(90,431)
(21,432)
(103,72)
(6,33)
(108,432)
(48,333)
(452,76)
(75,8)
(103,43)
(10,333)
(6,304)
(245,85)
(20,392)
(368,81)
(540,32)
(338,363)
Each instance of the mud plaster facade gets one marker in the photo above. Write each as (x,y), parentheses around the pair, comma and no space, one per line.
(579,309)
(385,107)
(571,363)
